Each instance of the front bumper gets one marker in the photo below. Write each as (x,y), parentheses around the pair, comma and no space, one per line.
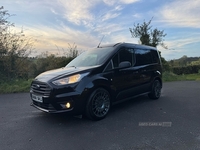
(54,100)
(50,109)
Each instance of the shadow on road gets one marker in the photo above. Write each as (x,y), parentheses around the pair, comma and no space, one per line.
(116,110)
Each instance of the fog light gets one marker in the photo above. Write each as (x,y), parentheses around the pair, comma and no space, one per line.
(67,105)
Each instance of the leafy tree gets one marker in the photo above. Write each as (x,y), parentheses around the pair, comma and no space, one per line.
(147,35)
(183,61)
(14,49)
(151,37)
(165,64)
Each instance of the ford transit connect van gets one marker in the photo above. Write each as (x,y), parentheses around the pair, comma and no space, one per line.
(98,78)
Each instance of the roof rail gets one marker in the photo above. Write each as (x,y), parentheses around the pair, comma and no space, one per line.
(116,44)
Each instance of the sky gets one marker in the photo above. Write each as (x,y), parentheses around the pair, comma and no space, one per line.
(56,24)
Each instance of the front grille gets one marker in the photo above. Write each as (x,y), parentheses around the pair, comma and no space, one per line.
(45,106)
(40,88)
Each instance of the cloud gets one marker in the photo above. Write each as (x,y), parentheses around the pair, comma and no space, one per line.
(48,39)
(118,8)
(86,27)
(182,13)
(110,15)
(107,29)
(113,13)
(77,11)
(180,45)
(122,38)
(137,15)
(113,2)
(54,11)
(128,1)
(83,12)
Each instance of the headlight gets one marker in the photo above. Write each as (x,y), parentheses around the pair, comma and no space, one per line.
(69,80)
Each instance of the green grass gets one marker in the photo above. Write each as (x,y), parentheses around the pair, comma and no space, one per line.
(169,76)
(15,86)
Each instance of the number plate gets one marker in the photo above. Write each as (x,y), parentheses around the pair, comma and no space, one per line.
(37,98)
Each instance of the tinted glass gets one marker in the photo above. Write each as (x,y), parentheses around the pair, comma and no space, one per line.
(109,66)
(115,61)
(125,54)
(92,57)
(143,57)
(155,58)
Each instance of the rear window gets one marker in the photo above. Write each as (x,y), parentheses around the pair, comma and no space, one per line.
(155,58)
(145,57)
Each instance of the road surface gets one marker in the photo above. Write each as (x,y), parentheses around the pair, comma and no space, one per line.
(170,123)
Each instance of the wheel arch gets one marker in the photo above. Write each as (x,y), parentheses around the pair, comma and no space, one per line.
(100,83)
(88,112)
(159,79)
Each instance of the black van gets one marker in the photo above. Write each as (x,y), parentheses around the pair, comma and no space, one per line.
(98,78)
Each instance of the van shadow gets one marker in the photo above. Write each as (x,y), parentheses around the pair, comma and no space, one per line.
(115,110)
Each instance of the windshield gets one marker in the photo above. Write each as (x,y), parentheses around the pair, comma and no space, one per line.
(92,57)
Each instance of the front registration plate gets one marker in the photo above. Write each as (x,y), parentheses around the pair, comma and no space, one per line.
(37,98)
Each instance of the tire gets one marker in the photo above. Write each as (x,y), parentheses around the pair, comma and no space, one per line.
(156,90)
(98,104)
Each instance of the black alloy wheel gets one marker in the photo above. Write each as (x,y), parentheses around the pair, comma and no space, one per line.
(156,90)
(98,104)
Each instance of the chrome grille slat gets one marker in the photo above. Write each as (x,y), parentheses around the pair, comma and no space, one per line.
(40,88)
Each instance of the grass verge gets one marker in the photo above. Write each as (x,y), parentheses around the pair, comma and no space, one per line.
(15,86)
(169,76)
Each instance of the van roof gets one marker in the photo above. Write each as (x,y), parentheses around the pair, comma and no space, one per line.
(128,44)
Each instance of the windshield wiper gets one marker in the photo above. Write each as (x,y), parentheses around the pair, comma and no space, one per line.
(72,66)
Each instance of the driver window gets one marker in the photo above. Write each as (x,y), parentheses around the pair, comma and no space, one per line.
(125,54)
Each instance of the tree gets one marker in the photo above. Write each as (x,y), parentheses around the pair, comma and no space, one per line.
(151,37)
(14,49)
(147,35)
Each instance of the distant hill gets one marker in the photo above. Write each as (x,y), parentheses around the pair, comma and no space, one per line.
(184,61)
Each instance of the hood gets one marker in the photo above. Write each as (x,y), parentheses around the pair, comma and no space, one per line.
(58,73)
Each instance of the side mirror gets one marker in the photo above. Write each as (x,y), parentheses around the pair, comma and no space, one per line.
(124,64)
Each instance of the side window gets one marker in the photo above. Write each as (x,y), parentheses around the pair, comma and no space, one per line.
(109,66)
(125,54)
(143,57)
(155,58)
(115,61)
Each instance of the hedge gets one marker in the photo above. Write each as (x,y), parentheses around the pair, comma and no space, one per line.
(186,70)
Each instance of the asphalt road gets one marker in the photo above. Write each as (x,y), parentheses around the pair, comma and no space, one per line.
(170,123)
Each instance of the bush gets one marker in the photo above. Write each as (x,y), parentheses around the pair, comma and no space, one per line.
(50,62)
(14,86)
(186,70)
(169,76)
